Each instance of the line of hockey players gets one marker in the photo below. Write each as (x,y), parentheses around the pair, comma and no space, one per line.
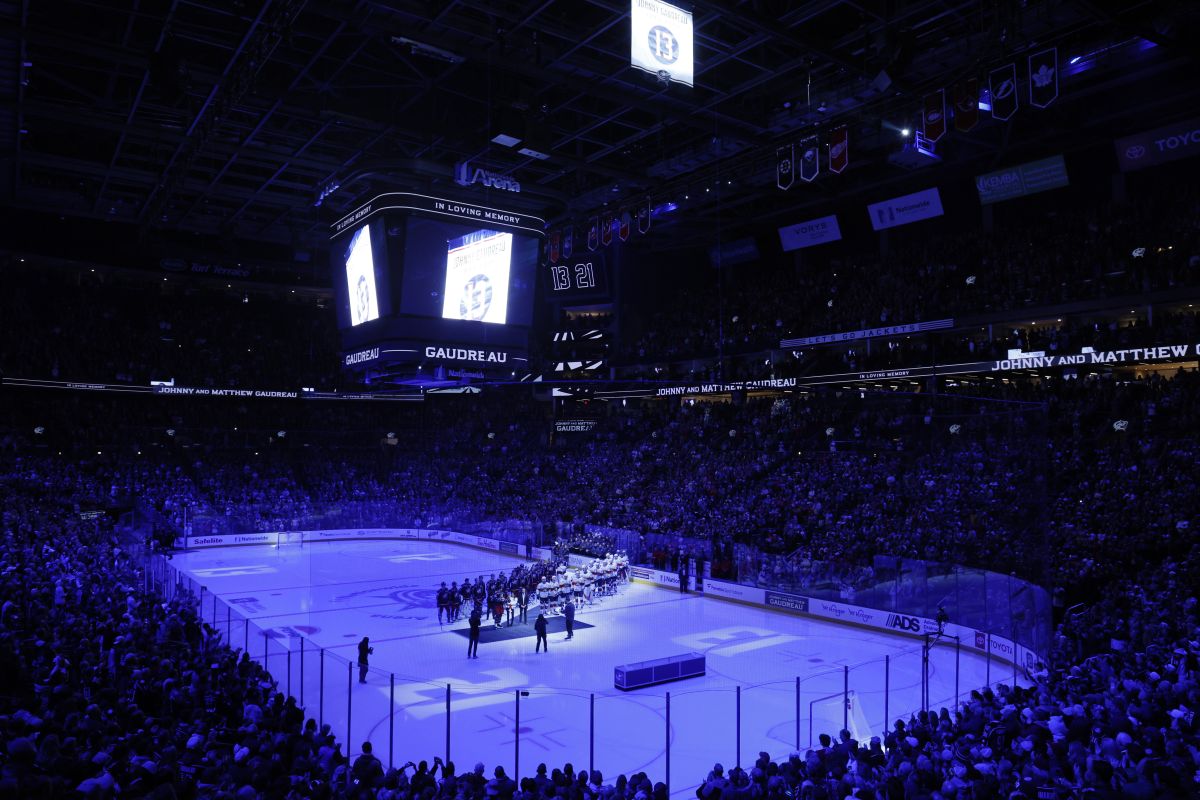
(550,583)
(585,585)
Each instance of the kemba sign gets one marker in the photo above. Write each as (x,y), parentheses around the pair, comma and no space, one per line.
(464,175)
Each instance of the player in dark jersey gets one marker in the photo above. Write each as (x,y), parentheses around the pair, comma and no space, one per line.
(443,602)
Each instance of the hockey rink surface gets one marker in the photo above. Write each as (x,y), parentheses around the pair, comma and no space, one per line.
(332,594)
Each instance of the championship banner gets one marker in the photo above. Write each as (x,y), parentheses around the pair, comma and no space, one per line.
(966,105)
(1043,78)
(626,223)
(1003,85)
(593,239)
(568,241)
(839,149)
(933,115)
(643,214)
(810,160)
(606,228)
(785,159)
(553,246)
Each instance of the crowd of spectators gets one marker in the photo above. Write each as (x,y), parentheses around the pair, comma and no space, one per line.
(1090,484)
(112,691)
(1041,253)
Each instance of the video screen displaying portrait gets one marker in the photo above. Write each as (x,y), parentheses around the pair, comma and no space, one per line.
(360,278)
(477,273)
(461,272)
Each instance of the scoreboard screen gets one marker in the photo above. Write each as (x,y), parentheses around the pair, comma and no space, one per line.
(360,277)
(435,285)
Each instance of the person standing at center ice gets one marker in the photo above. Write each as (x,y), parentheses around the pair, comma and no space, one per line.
(569,616)
(539,626)
(475,621)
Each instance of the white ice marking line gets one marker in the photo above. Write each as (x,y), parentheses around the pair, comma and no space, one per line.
(740,638)
(230,572)
(421,701)
(418,557)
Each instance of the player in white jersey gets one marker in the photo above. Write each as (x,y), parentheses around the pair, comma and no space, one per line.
(589,585)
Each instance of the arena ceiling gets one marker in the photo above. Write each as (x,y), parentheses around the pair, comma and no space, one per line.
(264,120)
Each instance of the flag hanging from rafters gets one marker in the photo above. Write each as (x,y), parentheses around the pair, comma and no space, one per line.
(626,222)
(606,229)
(552,247)
(966,105)
(785,160)
(1002,83)
(1043,78)
(810,158)
(933,115)
(568,241)
(643,215)
(839,149)
(593,233)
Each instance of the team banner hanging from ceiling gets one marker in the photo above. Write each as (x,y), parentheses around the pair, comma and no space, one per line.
(593,237)
(810,159)
(785,159)
(966,105)
(1043,78)
(933,115)
(643,215)
(839,149)
(626,224)
(1002,83)
(661,40)
(606,229)
(568,241)
(552,248)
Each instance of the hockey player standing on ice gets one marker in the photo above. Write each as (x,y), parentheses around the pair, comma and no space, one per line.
(454,600)
(539,626)
(443,602)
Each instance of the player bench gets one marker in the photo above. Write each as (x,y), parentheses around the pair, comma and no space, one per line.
(660,670)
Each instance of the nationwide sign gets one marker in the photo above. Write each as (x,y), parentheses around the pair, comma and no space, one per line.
(807,234)
(902,210)
(1036,176)
(869,333)
(1150,148)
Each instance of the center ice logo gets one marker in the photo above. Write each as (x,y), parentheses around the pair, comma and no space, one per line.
(414,598)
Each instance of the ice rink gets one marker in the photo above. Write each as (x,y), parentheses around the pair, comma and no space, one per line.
(302,600)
